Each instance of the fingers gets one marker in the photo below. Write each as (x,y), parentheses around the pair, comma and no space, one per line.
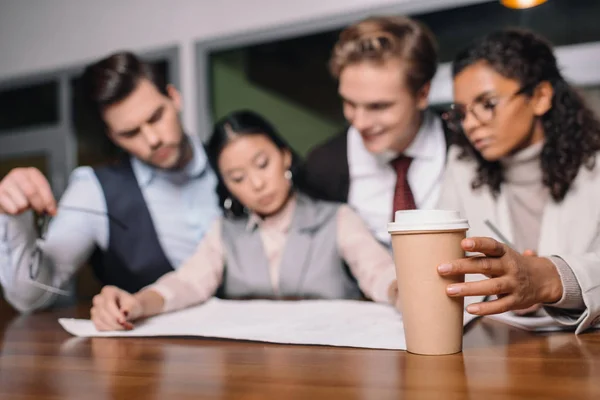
(130,309)
(473,265)
(7,206)
(44,195)
(111,306)
(30,192)
(530,253)
(392,292)
(12,201)
(503,304)
(106,313)
(486,287)
(485,245)
(393,295)
(25,188)
(103,321)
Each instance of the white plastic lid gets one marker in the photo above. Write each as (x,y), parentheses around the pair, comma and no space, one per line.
(427,220)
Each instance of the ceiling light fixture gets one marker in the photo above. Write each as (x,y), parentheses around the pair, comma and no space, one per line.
(521,4)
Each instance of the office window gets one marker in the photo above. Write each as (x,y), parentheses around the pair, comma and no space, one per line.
(288,82)
(37,160)
(29,106)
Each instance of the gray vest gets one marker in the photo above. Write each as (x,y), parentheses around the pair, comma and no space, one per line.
(311,266)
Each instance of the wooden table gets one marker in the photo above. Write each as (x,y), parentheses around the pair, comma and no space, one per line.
(41,361)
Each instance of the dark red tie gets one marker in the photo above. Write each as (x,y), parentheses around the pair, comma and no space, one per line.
(403,197)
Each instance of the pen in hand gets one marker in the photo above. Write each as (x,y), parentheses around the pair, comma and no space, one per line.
(497,232)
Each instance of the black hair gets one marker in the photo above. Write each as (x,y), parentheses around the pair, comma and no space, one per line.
(572,132)
(233,125)
(115,77)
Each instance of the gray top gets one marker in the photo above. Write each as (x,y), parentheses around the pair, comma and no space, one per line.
(311,266)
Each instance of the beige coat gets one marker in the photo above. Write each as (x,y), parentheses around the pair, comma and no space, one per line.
(570,229)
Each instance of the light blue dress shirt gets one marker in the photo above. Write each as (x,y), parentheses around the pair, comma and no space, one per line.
(183,204)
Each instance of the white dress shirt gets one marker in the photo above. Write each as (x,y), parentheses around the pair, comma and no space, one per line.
(182,204)
(373,180)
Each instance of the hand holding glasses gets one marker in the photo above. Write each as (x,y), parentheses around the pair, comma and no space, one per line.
(28,189)
(37,257)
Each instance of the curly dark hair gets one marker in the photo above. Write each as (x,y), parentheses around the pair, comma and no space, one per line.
(572,133)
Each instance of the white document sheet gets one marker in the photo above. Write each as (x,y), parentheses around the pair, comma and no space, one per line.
(541,322)
(344,323)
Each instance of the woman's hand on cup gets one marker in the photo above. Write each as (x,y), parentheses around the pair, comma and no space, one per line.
(519,281)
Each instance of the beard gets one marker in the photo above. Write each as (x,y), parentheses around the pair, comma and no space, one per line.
(183,148)
(184,153)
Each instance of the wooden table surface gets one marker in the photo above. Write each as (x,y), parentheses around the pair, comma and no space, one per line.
(41,361)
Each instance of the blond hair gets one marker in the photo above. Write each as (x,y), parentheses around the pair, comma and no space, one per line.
(379,39)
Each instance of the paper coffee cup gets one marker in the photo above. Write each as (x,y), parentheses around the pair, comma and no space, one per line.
(422,240)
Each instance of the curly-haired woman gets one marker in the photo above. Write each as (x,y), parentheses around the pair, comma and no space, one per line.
(523,168)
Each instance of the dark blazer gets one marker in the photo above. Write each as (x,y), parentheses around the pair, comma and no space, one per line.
(326,174)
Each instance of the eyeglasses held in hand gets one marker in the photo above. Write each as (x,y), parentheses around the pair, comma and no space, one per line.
(37,256)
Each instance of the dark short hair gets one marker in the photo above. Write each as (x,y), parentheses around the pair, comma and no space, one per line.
(242,123)
(115,77)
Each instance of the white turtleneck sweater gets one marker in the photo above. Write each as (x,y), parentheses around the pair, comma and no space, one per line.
(526,197)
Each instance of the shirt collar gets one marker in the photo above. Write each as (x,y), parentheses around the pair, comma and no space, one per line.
(145,173)
(280,221)
(423,146)
(425,143)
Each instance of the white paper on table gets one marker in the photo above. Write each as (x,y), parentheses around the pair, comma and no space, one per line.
(344,323)
(541,322)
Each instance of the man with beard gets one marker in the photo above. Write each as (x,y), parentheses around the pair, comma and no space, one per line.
(134,219)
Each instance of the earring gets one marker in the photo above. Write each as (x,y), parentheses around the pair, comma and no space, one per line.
(288,175)
(227,203)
